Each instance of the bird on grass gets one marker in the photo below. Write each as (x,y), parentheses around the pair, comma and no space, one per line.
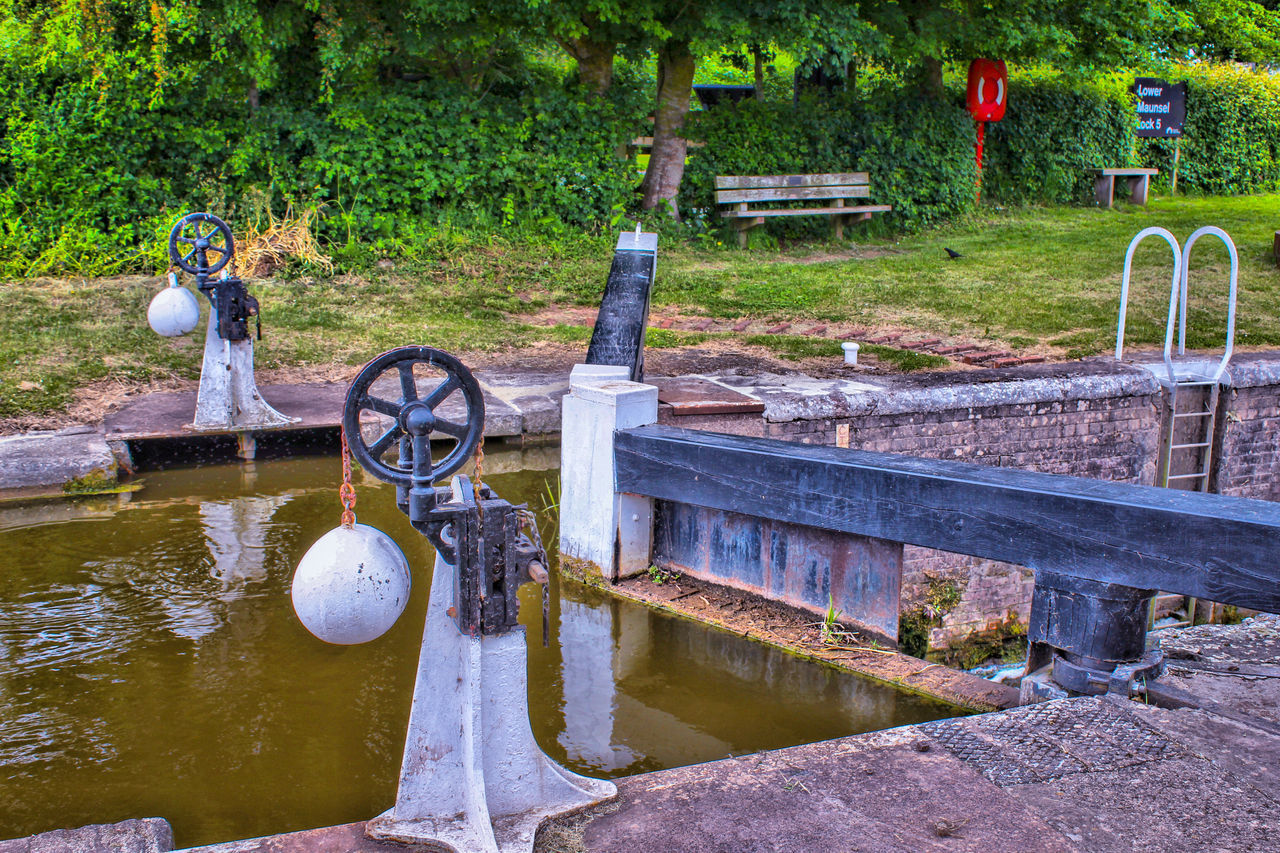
(953,254)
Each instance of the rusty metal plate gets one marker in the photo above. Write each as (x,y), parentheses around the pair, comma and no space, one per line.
(1038,743)
(689,395)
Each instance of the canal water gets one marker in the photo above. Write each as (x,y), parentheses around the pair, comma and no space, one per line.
(151,664)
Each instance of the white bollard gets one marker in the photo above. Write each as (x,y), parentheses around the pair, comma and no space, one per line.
(599,526)
(850,353)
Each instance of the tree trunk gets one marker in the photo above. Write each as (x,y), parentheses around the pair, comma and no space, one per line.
(759,71)
(676,65)
(930,79)
(595,62)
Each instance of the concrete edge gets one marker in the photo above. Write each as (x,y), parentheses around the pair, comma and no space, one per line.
(1253,370)
(1126,382)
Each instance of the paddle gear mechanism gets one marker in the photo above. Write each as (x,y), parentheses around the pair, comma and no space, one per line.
(473,778)
(228,400)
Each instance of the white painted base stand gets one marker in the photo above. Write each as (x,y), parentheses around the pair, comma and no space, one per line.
(228,398)
(612,531)
(474,779)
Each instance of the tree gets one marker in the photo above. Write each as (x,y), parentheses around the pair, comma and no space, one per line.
(1236,30)
(919,36)
(678,32)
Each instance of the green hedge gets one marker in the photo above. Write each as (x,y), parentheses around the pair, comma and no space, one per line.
(85,167)
(1058,125)
(544,156)
(93,166)
(1055,128)
(918,152)
(93,170)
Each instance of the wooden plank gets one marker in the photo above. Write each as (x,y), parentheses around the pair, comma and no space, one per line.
(746,182)
(791,194)
(807,211)
(1211,546)
(1118,173)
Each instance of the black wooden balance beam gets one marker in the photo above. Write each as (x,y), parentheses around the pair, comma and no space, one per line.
(1214,547)
(618,336)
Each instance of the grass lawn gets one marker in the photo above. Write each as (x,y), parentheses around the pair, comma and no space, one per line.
(1043,280)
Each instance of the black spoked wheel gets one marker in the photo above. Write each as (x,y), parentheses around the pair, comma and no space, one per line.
(453,409)
(200,242)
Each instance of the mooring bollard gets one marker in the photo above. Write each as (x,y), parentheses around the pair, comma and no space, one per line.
(473,778)
(228,399)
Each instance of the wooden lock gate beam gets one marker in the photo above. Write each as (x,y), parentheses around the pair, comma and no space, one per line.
(1215,547)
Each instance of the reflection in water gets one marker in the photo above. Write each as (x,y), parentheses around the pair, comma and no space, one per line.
(590,696)
(151,664)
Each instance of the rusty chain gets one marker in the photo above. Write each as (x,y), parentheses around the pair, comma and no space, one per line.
(347,492)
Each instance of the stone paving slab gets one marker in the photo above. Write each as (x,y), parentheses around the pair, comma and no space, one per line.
(693,395)
(867,793)
(348,838)
(49,459)
(146,835)
(168,414)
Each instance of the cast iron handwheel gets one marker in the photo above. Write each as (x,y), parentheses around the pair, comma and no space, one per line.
(194,237)
(457,378)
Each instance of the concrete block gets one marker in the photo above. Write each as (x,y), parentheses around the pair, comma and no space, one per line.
(51,459)
(608,530)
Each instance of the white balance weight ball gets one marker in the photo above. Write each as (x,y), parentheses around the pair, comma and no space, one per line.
(351,586)
(175,311)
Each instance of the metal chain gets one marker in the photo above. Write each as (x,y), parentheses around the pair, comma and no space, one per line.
(347,492)
(479,463)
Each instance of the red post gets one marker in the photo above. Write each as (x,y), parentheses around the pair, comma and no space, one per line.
(977,149)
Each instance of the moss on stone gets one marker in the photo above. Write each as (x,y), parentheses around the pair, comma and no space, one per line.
(96,482)
(583,571)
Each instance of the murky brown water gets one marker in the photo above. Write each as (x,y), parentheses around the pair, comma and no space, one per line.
(151,665)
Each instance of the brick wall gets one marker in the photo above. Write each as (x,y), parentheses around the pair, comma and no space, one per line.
(1248,463)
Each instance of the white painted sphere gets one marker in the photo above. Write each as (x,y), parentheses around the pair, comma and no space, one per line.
(175,311)
(351,586)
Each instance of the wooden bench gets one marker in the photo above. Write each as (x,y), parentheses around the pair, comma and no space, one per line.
(741,192)
(1104,185)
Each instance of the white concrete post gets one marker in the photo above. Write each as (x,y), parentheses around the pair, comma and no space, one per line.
(610,531)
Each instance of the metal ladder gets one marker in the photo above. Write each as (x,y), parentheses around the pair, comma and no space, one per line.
(1188,434)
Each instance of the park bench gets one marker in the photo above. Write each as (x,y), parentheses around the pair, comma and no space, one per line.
(1104,184)
(744,193)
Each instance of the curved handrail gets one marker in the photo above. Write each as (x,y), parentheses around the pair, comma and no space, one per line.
(1214,231)
(1124,286)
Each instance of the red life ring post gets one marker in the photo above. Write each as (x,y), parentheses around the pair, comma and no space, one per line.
(986,96)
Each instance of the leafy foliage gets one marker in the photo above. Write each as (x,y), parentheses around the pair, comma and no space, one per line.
(403,119)
(1057,126)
